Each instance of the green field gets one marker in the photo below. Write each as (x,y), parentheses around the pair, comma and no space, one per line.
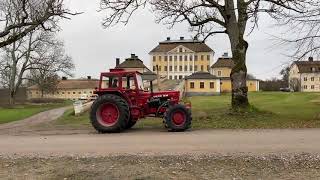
(20,112)
(270,110)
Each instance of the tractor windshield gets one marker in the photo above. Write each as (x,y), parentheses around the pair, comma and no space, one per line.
(140,82)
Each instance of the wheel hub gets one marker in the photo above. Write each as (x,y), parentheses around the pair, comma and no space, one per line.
(109,114)
(178,118)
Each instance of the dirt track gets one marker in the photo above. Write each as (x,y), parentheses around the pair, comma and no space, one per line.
(165,143)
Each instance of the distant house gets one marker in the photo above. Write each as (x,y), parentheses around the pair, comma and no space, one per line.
(135,64)
(222,69)
(202,83)
(304,76)
(132,64)
(71,89)
(177,59)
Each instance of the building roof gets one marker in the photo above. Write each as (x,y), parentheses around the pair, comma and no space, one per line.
(223,62)
(201,75)
(148,75)
(193,45)
(132,62)
(308,66)
(73,84)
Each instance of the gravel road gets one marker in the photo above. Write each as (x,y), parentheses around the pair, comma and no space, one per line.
(164,143)
(24,125)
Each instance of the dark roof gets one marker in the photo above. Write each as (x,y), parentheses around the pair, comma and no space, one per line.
(201,75)
(248,78)
(223,62)
(193,45)
(74,84)
(133,62)
(308,66)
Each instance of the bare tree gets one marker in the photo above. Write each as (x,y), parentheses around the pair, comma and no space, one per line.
(209,17)
(38,51)
(48,61)
(20,17)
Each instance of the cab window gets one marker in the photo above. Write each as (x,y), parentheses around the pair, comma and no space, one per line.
(109,82)
(128,83)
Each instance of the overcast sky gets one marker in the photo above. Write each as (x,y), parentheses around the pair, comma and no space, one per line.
(94,49)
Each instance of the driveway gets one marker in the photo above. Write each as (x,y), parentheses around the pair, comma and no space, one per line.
(164,143)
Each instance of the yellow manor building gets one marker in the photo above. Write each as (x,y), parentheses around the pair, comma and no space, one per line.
(177,59)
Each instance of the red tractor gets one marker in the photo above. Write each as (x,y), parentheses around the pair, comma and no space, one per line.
(122,101)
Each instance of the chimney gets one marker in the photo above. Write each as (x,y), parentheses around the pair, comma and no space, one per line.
(117,62)
(89,77)
(168,38)
(64,78)
(181,38)
(133,56)
(225,55)
(310,59)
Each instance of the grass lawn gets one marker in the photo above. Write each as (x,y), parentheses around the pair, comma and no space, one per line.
(20,112)
(273,110)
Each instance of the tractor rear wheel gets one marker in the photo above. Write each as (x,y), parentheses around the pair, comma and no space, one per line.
(178,118)
(109,114)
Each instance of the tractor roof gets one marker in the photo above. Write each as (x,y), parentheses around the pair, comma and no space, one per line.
(117,72)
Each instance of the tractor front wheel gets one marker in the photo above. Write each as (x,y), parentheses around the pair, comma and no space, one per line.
(178,118)
(109,114)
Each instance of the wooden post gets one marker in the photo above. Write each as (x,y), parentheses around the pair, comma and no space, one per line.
(158,78)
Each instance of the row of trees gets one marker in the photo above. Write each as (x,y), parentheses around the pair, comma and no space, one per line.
(30,51)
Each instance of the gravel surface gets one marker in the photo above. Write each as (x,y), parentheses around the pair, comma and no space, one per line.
(302,166)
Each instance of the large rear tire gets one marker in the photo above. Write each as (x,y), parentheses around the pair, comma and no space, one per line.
(178,118)
(109,114)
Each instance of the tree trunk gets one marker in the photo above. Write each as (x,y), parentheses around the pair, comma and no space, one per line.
(239,76)
(12,100)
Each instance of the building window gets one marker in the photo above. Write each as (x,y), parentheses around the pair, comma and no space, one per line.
(175,77)
(154,68)
(208,57)
(185,68)
(90,92)
(219,73)
(195,58)
(195,68)
(191,68)
(201,67)
(154,58)
(185,58)
(208,68)
(175,68)
(170,68)
(180,77)
(165,68)
(312,78)
(160,58)
(212,85)
(312,86)
(305,79)
(202,57)
(190,58)
(159,67)
(79,92)
(180,50)
(191,85)
(180,68)
(170,77)
(62,92)
(69,93)
(58,92)
(73,92)
(305,87)
(175,58)
(180,58)
(170,58)
(165,58)
(201,85)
